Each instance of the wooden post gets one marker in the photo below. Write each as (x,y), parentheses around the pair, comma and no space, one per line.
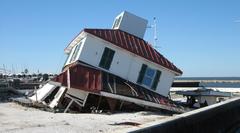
(112,104)
(68,106)
(99,101)
(68,79)
(35,89)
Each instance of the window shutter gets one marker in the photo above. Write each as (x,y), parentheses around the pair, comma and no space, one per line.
(109,59)
(141,73)
(103,59)
(156,80)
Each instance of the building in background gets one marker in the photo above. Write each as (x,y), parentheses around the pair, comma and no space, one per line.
(203,91)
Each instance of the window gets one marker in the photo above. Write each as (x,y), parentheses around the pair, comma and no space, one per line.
(117,22)
(149,77)
(107,58)
(68,58)
(74,55)
(65,63)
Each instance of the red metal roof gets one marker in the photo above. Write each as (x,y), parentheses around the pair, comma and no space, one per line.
(133,44)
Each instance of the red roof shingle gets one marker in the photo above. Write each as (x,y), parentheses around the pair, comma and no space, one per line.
(133,44)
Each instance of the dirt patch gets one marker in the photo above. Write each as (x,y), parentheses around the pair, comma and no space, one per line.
(16,118)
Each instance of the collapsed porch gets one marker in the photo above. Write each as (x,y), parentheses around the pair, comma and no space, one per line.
(88,89)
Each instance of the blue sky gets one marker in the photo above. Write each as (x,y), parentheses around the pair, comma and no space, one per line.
(201,37)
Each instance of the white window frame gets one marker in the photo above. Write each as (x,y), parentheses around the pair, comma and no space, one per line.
(69,58)
(75,53)
(117,22)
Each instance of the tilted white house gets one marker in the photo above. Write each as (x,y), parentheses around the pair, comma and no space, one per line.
(122,52)
(117,63)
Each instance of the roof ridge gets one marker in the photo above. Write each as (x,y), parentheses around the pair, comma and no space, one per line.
(116,30)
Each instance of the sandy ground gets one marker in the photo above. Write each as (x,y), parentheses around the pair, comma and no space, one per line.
(16,118)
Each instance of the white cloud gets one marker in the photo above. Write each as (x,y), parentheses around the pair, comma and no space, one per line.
(237,21)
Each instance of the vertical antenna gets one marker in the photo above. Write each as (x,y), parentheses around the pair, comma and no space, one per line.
(154,26)
(155,32)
